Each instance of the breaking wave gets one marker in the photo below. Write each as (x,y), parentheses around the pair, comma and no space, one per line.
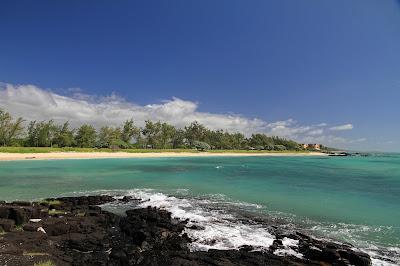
(217,222)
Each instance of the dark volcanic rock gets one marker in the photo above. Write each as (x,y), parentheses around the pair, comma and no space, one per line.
(4,211)
(31,227)
(79,232)
(7,224)
(21,203)
(19,214)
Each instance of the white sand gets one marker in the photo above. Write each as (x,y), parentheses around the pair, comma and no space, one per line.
(94,155)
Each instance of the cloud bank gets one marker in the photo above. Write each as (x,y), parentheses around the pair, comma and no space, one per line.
(342,127)
(34,103)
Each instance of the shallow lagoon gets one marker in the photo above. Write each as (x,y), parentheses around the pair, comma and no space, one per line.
(353,199)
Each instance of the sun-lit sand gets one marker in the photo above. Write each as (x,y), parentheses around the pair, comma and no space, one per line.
(94,155)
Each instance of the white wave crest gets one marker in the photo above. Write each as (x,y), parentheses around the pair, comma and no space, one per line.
(289,246)
(219,230)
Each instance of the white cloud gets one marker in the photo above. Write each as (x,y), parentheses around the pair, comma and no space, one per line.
(316,132)
(342,127)
(34,103)
(327,140)
(359,140)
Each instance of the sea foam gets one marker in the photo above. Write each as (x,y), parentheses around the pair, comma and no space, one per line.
(216,227)
(219,230)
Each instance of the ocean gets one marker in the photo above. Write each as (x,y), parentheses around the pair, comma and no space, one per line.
(348,199)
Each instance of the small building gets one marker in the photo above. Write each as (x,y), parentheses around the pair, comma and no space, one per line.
(316,146)
(304,146)
(311,146)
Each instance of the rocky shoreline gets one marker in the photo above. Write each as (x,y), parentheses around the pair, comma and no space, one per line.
(76,231)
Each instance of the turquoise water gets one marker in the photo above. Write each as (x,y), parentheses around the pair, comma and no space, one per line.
(353,199)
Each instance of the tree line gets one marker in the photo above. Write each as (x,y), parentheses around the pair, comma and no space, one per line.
(157,135)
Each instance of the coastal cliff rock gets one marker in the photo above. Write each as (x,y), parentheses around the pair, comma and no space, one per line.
(75,231)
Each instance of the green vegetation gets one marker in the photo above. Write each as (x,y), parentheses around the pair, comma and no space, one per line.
(2,232)
(81,214)
(77,149)
(47,136)
(10,129)
(56,212)
(50,201)
(45,263)
(201,146)
(32,254)
(19,227)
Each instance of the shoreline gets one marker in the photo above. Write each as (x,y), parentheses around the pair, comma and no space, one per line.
(78,231)
(111,155)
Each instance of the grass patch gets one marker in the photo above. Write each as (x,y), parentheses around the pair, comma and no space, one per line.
(2,232)
(50,202)
(56,212)
(81,214)
(19,228)
(75,149)
(32,254)
(45,263)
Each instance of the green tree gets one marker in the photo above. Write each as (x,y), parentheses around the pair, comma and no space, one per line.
(155,134)
(41,134)
(195,131)
(227,141)
(167,132)
(109,136)
(86,136)
(64,136)
(130,131)
(258,141)
(279,147)
(238,141)
(10,129)
(289,144)
(151,131)
(32,139)
(46,133)
(201,146)
(178,139)
(213,138)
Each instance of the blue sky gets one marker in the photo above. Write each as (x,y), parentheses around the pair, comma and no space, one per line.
(300,63)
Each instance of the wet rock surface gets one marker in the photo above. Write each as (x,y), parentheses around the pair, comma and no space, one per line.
(75,231)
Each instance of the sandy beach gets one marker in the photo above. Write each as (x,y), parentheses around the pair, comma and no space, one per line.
(99,155)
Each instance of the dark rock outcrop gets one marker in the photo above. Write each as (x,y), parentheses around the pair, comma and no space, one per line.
(75,231)
(7,224)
